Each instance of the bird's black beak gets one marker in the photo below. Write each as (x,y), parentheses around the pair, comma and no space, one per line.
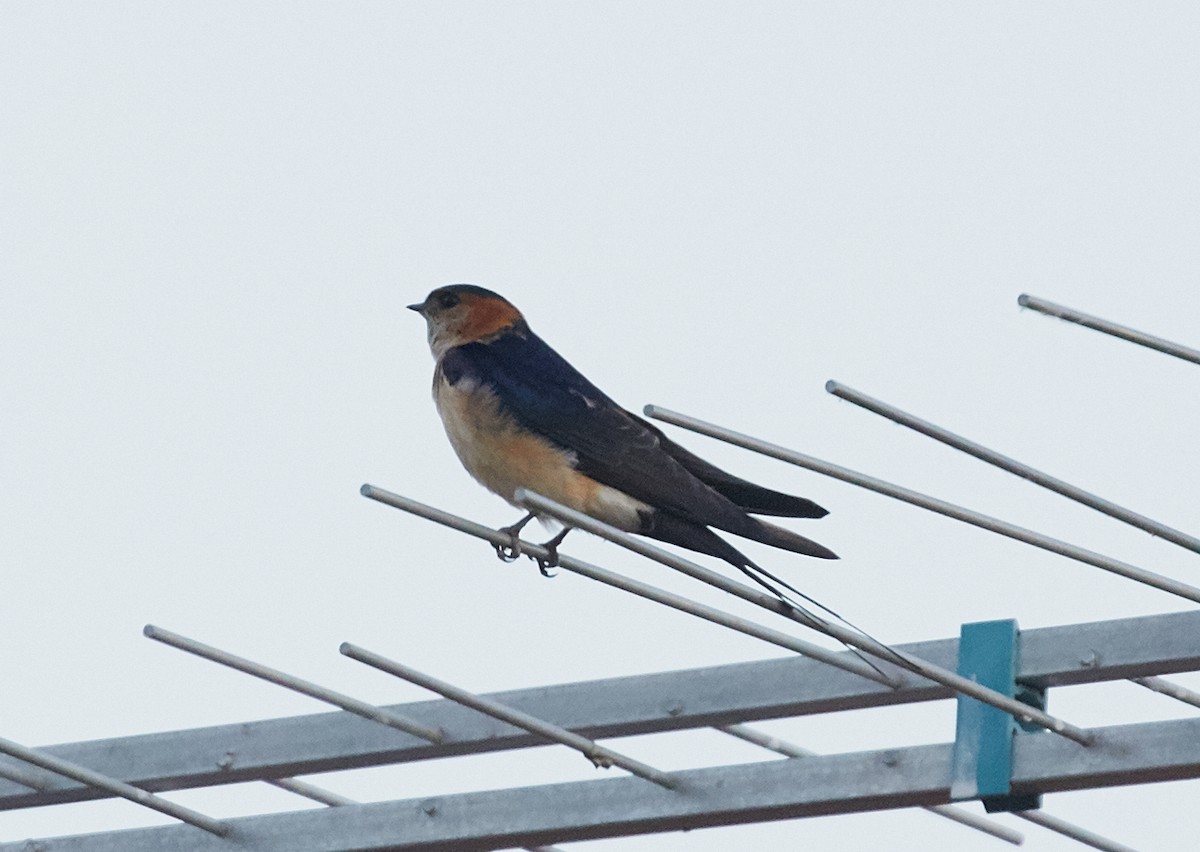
(419,308)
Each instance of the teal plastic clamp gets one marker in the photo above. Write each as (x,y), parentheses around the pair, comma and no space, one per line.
(989,654)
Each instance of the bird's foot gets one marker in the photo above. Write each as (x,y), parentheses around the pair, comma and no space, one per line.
(512,551)
(508,552)
(551,558)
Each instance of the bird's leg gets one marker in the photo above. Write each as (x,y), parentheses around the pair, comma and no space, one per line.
(510,552)
(551,560)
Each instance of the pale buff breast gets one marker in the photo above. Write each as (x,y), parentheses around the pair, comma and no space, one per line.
(503,457)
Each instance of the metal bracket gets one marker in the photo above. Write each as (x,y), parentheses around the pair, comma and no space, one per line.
(989,654)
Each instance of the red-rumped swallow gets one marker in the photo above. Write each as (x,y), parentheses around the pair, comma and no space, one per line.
(519,416)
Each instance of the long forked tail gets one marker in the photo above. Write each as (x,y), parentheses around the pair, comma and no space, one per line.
(675,530)
(697,536)
(777,536)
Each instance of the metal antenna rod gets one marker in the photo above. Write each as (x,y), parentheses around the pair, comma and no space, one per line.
(304,687)
(933,504)
(32,780)
(1165,687)
(593,751)
(1124,332)
(542,505)
(1087,838)
(956,814)
(111,785)
(1013,466)
(311,791)
(838,659)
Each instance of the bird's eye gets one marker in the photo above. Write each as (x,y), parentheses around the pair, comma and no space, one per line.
(448,300)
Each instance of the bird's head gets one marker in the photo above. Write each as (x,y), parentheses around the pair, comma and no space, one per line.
(463,313)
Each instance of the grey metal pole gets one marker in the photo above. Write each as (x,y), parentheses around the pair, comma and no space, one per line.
(336,800)
(304,687)
(933,504)
(1165,687)
(311,791)
(542,505)
(1034,475)
(577,566)
(593,751)
(580,811)
(1061,826)
(1043,306)
(32,780)
(956,814)
(111,785)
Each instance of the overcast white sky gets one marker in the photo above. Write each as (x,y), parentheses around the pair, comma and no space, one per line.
(213,215)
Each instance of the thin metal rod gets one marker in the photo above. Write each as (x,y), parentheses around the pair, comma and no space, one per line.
(593,751)
(992,457)
(960,815)
(933,504)
(840,660)
(111,785)
(1165,687)
(1067,829)
(1124,332)
(304,687)
(32,780)
(542,505)
(311,791)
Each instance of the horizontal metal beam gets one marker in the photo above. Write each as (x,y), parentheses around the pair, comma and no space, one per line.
(951,812)
(336,800)
(727,795)
(615,707)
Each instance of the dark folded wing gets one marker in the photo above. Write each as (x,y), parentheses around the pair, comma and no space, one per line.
(747,496)
(546,395)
